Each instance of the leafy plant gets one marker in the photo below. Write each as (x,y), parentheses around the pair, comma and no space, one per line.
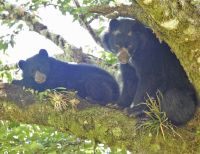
(158,120)
(6,72)
(60,98)
(63,99)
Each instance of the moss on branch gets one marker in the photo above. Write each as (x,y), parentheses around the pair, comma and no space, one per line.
(102,124)
(89,123)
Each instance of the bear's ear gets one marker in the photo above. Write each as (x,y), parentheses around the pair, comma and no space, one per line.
(113,25)
(21,64)
(43,53)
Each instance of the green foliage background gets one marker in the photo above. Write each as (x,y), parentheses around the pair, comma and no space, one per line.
(24,138)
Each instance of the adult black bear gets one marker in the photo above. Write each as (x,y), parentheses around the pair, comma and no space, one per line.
(42,72)
(156,67)
(128,73)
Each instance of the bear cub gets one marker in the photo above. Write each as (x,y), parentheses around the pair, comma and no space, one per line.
(156,68)
(42,72)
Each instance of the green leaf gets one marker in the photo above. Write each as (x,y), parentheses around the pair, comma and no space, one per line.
(3,45)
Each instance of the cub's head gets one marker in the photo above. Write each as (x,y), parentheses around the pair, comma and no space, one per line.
(36,68)
(124,37)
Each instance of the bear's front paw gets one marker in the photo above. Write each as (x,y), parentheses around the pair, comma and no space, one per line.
(138,111)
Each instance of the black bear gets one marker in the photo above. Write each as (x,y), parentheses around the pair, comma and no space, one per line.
(156,68)
(42,72)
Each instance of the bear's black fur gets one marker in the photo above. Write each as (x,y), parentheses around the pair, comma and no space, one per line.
(156,67)
(42,72)
(129,85)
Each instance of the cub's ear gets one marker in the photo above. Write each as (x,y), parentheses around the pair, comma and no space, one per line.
(21,64)
(113,25)
(43,53)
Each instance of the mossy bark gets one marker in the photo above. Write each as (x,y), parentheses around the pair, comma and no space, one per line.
(178,23)
(84,119)
(89,123)
(102,124)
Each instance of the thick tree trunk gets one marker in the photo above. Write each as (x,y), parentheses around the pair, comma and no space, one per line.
(178,23)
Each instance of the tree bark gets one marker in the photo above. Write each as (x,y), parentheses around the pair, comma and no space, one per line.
(73,53)
(84,119)
(106,125)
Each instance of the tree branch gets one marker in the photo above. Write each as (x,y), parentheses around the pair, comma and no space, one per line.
(102,124)
(83,119)
(83,20)
(76,54)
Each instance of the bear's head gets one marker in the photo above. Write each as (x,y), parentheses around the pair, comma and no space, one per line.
(36,68)
(124,37)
